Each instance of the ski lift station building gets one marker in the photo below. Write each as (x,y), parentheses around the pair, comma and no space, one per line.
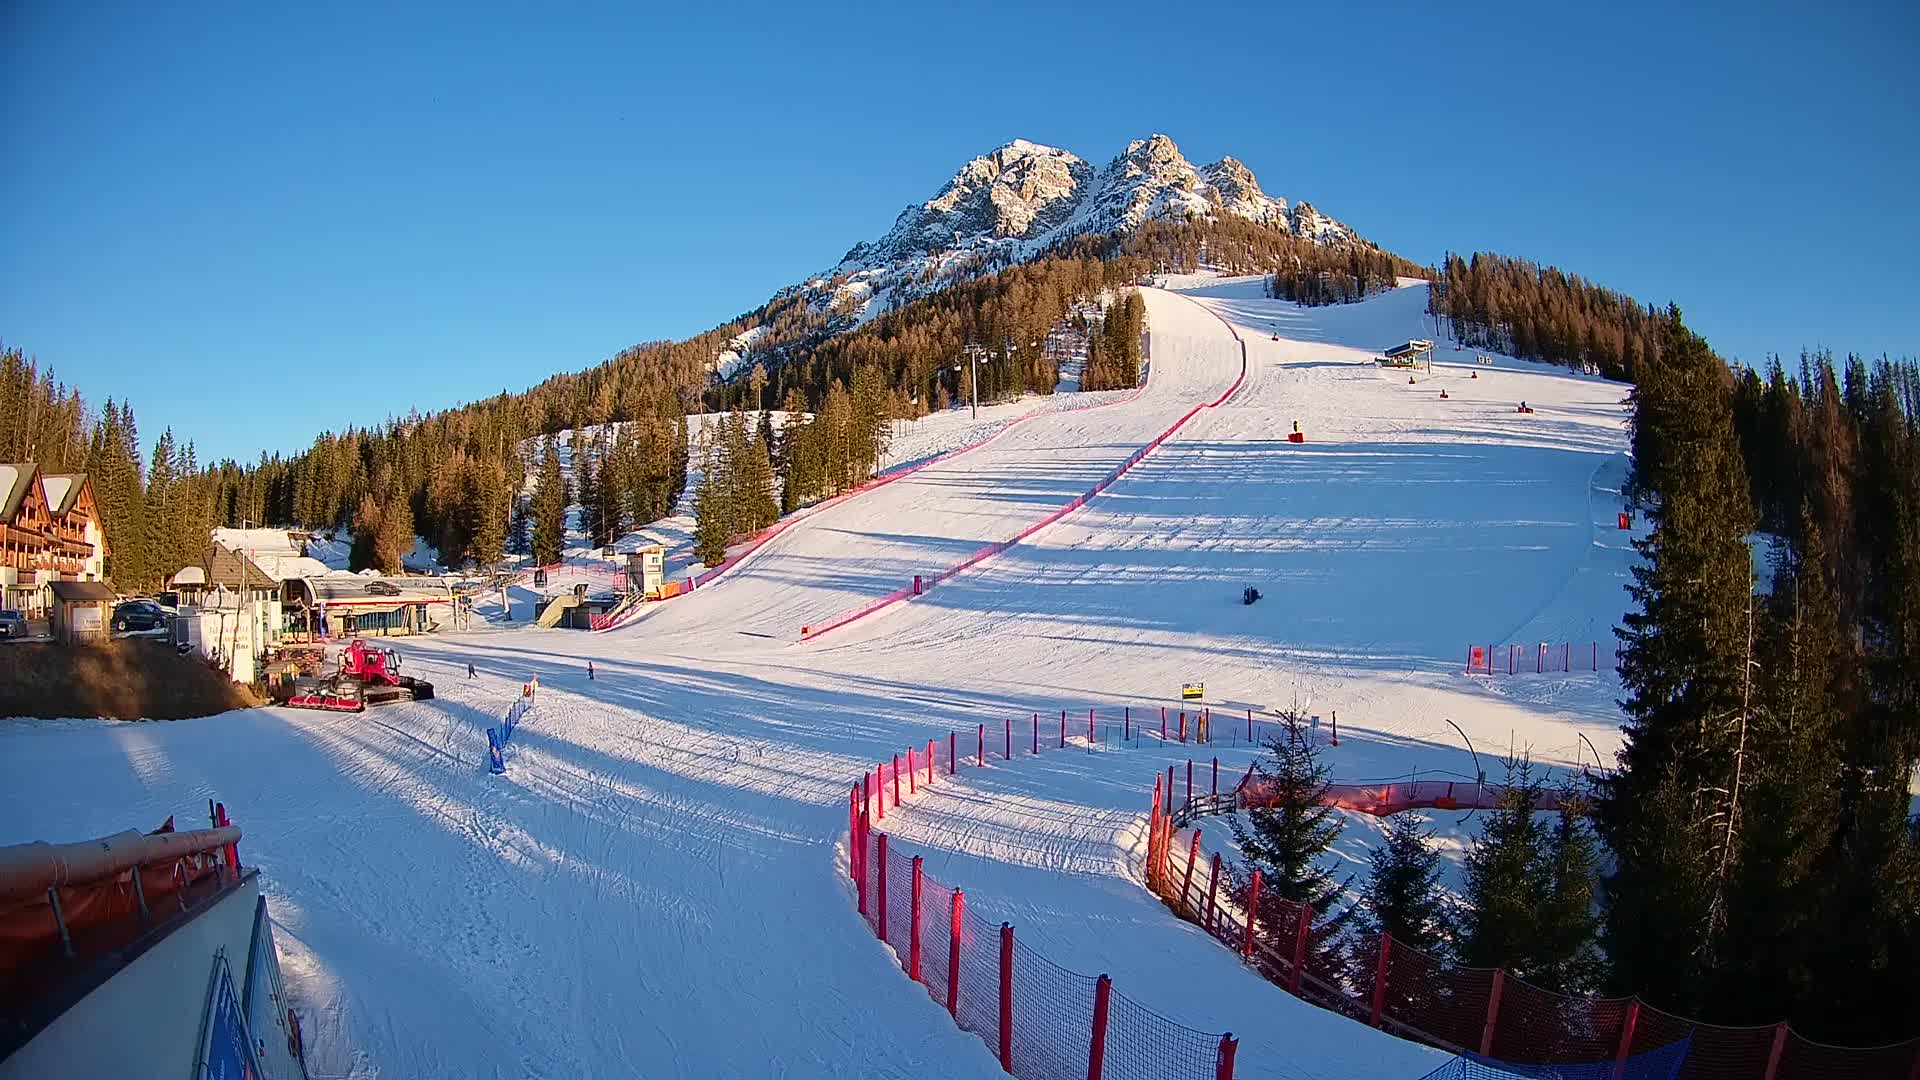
(1417,353)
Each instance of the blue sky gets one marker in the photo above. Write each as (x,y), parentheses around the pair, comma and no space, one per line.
(260,223)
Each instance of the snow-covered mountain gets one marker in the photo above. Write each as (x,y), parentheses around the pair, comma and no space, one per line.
(1015,204)
(1024,198)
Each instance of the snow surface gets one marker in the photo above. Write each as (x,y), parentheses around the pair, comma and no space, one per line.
(657,886)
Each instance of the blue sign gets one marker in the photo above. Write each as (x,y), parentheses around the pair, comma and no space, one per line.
(229,1049)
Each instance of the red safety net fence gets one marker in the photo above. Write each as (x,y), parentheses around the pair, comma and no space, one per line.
(1487,1012)
(1541,658)
(1040,1020)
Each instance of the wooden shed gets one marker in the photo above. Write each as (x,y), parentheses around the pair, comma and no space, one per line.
(81,611)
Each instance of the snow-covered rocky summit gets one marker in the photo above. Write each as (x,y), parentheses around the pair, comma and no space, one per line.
(1024,197)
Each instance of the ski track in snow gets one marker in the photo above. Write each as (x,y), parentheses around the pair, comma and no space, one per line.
(657,886)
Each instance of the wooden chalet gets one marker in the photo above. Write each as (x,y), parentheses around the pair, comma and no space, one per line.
(49,531)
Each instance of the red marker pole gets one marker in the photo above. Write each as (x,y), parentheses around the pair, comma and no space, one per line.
(883,887)
(953,953)
(1006,997)
(913,951)
(1097,1050)
(983,746)
(929,762)
(911,770)
(896,779)
(953,757)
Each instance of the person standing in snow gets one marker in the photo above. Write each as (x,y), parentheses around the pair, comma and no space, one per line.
(589,671)
(470,672)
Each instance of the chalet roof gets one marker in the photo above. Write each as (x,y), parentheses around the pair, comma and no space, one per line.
(230,568)
(80,591)
(347,588)
(62,490)
(15,479)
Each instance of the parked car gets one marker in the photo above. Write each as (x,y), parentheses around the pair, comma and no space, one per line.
(12,624)
(138,615)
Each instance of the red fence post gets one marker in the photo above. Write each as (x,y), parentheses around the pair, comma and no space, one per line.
(1097,1049)
(860,883)
(1253,914)
(983,746)
(1223,1067)
(1626,1039)
(953,954)
(1779,1047)
(880,792)
(1380,978)
(1193,856)
(929,762)
(1169,789)
(913,951)
(953,759)
(1493,1012)
(1006,997)
(1153,832)
(882,914)
(896,779)
(1213,889)
(911,770)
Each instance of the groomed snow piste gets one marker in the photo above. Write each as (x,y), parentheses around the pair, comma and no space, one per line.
(657,886)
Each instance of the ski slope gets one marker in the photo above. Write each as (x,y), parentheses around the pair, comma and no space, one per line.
(657,885)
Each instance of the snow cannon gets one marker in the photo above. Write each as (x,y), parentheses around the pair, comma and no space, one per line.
(1443,395)
(1410,380)
(1473,375)
(1296,435)
(1525,408)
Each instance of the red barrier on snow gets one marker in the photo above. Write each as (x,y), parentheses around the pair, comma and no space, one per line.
(1039,1019)
(1486,660)
(1417,996)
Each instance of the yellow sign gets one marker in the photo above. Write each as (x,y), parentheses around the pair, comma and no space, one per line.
(1193,691)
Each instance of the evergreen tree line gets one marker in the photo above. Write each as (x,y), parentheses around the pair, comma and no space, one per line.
(1113,350)
(1536,312)
(628,475)
(1528,903)
(1316,275)
(737,487)
(155,518)
(1010,321)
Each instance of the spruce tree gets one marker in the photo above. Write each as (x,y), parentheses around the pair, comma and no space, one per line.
(1287,839)
(549,506)
(711,513)
(1670,812)
(1568,957)
(1402,895)
(1500,923)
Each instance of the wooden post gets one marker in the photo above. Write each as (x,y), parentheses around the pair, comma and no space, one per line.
(1626,1039)
(913,950)
(1213,889)
(1097,1048)
(1493,1012)
(1193,856)
(1380,978)
(953,953)
(1779,1048)
(1006,997)
(1253,915)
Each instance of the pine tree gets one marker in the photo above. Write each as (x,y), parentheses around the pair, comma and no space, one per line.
(366,534)
(394,539)
(1500,922)
(1402,895)
(160,556)
(1568,956)
(549,508)
(711,512)
(1287,839)
(1670,812)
